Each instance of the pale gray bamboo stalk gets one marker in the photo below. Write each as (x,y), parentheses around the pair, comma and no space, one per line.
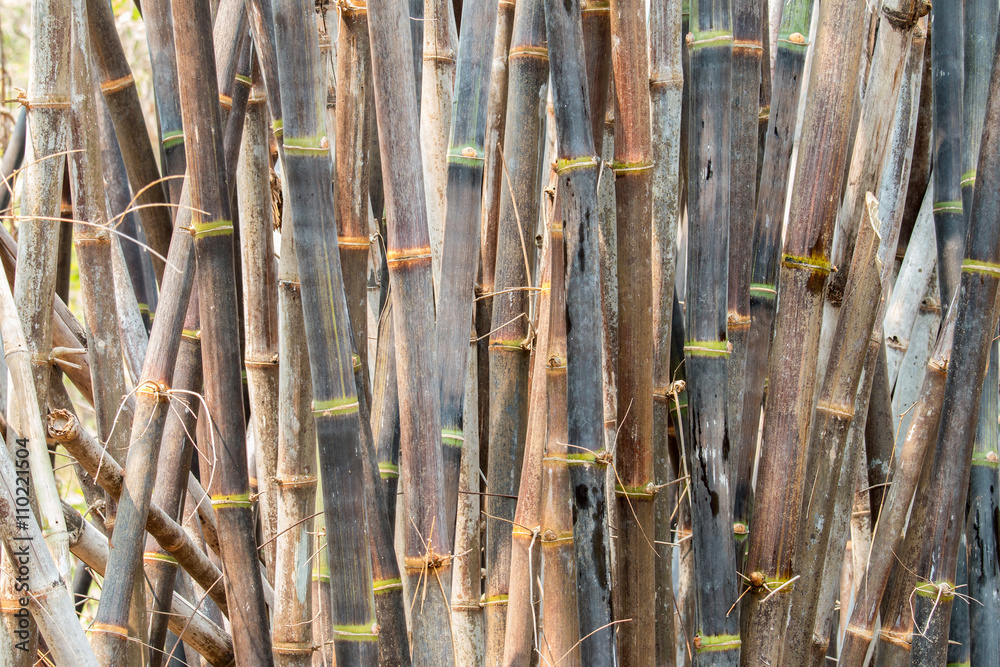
(437,87)
(608,246)
(466,614)
(134,338)
(48,599)
(260,310)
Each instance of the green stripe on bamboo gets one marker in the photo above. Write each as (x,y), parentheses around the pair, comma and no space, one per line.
(943,591)
(469,154)
(171,139)
(381,585)
(335,406)
(278,127)
(232,500)
(357,632)
(978,266)
(705,644)
(794,42)
(452,437)
(569,164)
(202,230)
(493,599)
(969,177)
(764,290)
(163,558)
(244,79)
(818,264)
(708,38)
(311,146)
(988,459)
(707,348)
(191,334)
(625,167)
(947,207)
(388,470)
(642,491)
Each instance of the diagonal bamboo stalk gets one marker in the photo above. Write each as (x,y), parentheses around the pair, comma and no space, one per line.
(427,556)
(804,270)
(335,406)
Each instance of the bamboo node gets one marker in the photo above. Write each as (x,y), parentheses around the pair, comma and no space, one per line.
(380,585)
(114,85)
(740,528)
(969,178)
(335,406)
(157,390)
(226,101)
(708,348)
(988,459)
(976,266)
(569,164)
(528,52)
(109,628)
(394,257)
(293,481)
(947,207)
(763,290)
(837,410)
(628,167)
(285,648)
(709,38)
(360,632)
(797,38)
(943,590)
(235,500)
(493,599)
(157,557)
(452,437)
(738,320)
(818,264)
(388,470)
(904,21)
(707,643)
(201,230)
(556,362)
(354,242)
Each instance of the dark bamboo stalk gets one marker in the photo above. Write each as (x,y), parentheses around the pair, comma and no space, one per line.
(974,329)
(352,135)
(335,400)
(13,155)
(666,99)
(427,553)
(597,50)
(920,171)
(747,54)
(949,222)
(296,478)
(981,531)
(804,270)
(634,447)
(460,254)
(163,62)
(509,337)
(980,22)
(212,229)
(118,87)
(260,307)
(788,70)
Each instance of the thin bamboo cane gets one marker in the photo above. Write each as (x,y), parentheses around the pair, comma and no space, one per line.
(261,18)
(353,140)
(958,632)
(45,593)
(13,155)
(172,475)
(921,166)
(496,114)
(65,428)
(260,296)
(184,619)
(427,553)
(608,252)
(510,334)
(666,99)
(980,20)
(949,221)
(65,252)
(597,50)
(118,87)
(747,54)
(296,479)
(835,417)
(456,293)
(212,229)
(437,83)
(980,531)
(559,626)
(634,448)
(804,270)
(789,67)
(163,65)
(953,456)
(385,412)
(525,552)
(335,401)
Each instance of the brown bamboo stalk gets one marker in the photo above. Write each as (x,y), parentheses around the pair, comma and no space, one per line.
(804,270)
(634,447)
(260,296)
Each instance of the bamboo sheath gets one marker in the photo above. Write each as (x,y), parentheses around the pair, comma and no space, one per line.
(666,100)
(789,66)
(804,270)
(426,552)
(456,294)
(509,339)
(335,406)
(953,455)
(118,87)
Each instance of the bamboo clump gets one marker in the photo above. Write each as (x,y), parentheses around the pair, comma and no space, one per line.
(506,332)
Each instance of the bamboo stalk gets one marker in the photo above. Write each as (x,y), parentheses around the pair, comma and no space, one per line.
(980,531)
(953,455)
(385,411)
(949,222)
(559,625)
(634,448)
(296,480)
(666,100)
(921,163)
(980,21)
(118,87)
(509,339)
(791,377)
(747,54)
(163,65)
(260,296)
(65,428)
(408,251)
(352,168)
(189,623)
(437,83)
(790,58)
(47,597)
(335,401)
(13,156)
(456,292)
